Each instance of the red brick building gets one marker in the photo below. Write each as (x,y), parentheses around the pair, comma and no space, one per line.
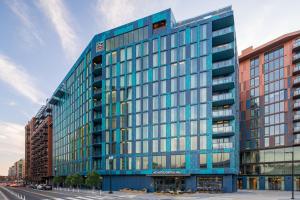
(270,118)
(38,150)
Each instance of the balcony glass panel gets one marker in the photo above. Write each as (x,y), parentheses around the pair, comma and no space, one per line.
(222,80)
(224,96)
(223,63)
(223,129)
(222,47)
(222,31)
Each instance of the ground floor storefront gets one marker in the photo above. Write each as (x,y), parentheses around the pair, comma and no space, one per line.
(268,183)
(172,182)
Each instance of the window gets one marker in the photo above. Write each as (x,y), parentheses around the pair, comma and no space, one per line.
(202,161)
(182,38)
(221,160)
(173,55)
(173,40)
(159,24)
(194,142)
(203,142)
(178,161)
(193,34)
(122,55)
(155,45)
(203,32)
(163,43)
(203,48)
(193,50)
(182,53)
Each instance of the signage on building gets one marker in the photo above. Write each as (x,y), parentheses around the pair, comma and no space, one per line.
(169,173)
(99,46)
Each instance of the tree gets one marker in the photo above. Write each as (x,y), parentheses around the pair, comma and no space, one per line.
(77,180)
(58,180)
(68,181)
(93,179)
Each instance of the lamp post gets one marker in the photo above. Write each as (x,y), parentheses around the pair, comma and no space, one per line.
(292,152)
(110,158)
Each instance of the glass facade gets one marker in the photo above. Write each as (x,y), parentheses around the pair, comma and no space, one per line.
(156,97)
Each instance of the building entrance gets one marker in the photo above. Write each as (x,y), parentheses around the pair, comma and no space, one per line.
(165,184)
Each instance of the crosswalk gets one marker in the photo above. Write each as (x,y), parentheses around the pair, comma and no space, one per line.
(93,197)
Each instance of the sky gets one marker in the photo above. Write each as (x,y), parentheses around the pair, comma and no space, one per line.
(40,41)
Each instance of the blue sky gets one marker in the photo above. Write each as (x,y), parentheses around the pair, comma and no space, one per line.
(40,40)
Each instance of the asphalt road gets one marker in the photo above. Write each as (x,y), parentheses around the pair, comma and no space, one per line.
(20,193)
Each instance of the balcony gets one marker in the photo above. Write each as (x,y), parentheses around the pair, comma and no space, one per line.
(222,131)
(222,23)
(296,45)
(97,117)
(296,129)
(97,129)
(97,69)
(296,116)
(296,105)
(97,155)
(296,58)
(296,69)
(222,114)
(97,105)
(223,99)
(296,94)
(223,52)
(222,83)
(296,82)
(221,36)
(97,81)
(223,67)
(97,93)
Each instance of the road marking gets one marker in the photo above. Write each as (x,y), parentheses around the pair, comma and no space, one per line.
(35,193)
(84,198)
(71,198)
(3,195)
(97,197)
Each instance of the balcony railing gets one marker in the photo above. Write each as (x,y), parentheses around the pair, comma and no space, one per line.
(223,129)
(296,44)
(297,129)
(296,92)
(297,104)
(97,128)
(223,96)
(98,78)
(222,47)
(221,113)
(97,103)
(97,91)
(223,63)
(97,66)
(296,68)
(222,31)
(227,79)
(296,56)
(296,116)
(297,80)
(222,145)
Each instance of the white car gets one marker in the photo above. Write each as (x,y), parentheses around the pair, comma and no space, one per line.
(40,187)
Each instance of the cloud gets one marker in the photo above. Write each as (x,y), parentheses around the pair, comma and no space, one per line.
(57,13)
(21,10)
(12,144)
(15,76)
(118,12)
(12,103)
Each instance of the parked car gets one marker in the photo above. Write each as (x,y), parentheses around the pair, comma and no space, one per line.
(41,187)
(48,187)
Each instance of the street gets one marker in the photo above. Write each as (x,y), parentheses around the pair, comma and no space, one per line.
(9,193)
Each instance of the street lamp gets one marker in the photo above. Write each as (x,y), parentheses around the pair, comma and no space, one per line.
(292,152)
(110,158)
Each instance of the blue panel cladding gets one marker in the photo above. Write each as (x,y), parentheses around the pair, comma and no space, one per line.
(191,183)
(130,181)
(288,183)
(262,182)
(244,182)
(229,183)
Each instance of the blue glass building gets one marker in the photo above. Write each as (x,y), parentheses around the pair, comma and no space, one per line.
(153,103)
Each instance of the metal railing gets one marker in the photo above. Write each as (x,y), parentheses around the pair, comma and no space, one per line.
(296,56)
